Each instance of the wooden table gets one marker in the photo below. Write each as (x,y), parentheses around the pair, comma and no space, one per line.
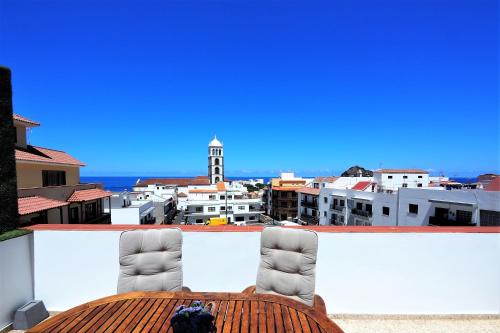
(151,312)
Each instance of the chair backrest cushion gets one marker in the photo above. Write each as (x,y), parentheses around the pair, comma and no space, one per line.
(150,260)
(288,263)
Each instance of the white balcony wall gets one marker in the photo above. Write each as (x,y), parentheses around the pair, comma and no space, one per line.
(357,273)
(16,276)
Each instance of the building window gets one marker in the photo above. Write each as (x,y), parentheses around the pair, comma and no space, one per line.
(405,185)
(217,170)
(419,185)
(211,197)
(405,177)
(359,205)
(53,178)
(211,209)
(419,176)
(389,177)
(241,207)
(199,221)
(283,194)
(222,197)
(413,209)
(252,217)
(335,201)
(216,161)
(316,185)
(368,208)
(385,211)
(229,197)
(324,214)
(325,200)
(217,179)
(342,203)
(229,207)
(199,209)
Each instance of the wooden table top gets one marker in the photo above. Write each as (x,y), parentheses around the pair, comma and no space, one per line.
(151,312)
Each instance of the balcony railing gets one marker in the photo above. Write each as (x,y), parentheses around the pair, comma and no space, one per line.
(441,221)
(336,221)
(105,218)
(309,219)
(337,208)
(362,213)
(311,204)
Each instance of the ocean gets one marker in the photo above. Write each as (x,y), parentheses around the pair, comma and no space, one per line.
(117,184)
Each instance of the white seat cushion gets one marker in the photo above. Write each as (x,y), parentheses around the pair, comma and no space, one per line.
(150,260)
(288,263)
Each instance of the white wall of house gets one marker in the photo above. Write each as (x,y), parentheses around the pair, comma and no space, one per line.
(394,181)
(16,276)
(374,273)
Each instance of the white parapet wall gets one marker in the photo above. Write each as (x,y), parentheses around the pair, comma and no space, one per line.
(357,272)
(16,276)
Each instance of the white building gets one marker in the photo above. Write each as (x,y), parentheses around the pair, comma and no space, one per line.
(389,180)
(221,201)
(409,207)
(124,210)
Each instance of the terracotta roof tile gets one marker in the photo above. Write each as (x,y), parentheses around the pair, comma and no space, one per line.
(329,179)
(361,186)
(86,195)
(35,204)
(46,155)
(309,190)
(25,120)
(221,186)
(400,171)
(202,190)
(182,195)
(285,188)
(200,180)
(494,185)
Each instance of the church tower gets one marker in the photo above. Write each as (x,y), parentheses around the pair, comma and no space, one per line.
(215,161)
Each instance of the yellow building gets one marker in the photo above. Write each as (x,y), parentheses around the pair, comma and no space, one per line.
(48,183)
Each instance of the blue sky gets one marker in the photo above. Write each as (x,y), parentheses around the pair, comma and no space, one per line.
(140,88)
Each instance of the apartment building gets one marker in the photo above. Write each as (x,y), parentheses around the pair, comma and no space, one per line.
(390,180)
(49,188)
(409,207)
(222,200)
(282,197)
(125,209)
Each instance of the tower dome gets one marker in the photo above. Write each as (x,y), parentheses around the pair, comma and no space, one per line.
(215,142)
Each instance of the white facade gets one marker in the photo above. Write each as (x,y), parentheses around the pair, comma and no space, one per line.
(409,207)
(124,210)
(222,200)
(408,273)
(215,161)
(391,180)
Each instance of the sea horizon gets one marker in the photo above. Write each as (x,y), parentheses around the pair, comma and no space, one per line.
(122,183)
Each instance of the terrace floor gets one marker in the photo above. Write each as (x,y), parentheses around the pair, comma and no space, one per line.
(410,324)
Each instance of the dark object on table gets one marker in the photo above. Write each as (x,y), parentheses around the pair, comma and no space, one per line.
(194,319)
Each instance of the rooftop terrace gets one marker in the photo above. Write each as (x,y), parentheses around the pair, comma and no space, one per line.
(373,279)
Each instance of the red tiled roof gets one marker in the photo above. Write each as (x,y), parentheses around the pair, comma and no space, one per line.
(285,188)
(361,186)
(309,190)
(182,195)
(329,179)
(494,185)
(200,180)
(45,155)
(221,186)
(203,190)
(25,120)
(86,195)
(400,171)
(35,204)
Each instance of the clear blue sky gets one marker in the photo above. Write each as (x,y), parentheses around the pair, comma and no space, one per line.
(140,88)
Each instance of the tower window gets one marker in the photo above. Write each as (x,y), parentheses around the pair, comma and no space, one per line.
(216,161)
(217,179)
(217,170)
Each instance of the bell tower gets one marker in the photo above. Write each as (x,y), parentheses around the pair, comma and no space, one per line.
(215,161)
